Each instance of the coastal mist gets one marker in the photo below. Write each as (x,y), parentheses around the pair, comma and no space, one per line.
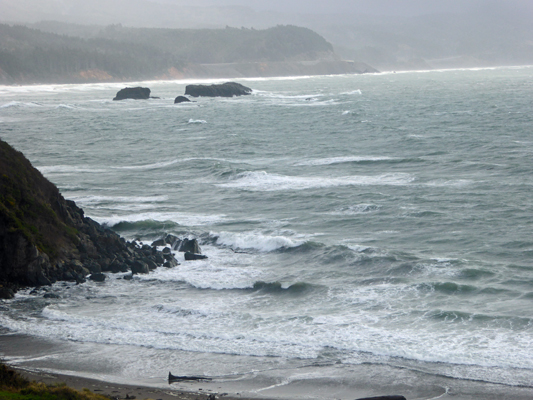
(362,232)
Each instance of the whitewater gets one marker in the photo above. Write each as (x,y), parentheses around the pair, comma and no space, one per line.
(362,231)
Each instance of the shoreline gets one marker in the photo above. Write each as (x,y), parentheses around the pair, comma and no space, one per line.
(117,390)
(215,79)
(123,391)
(42,360)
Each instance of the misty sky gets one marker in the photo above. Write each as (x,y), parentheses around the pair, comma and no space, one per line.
(377,7)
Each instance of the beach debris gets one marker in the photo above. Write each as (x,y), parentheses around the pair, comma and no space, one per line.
(174,378)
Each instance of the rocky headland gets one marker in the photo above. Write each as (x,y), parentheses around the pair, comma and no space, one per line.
(45,238)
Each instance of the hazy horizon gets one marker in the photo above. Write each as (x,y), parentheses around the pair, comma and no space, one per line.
(387,34)
(374,7)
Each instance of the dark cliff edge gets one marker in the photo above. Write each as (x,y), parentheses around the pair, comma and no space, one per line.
(45,238)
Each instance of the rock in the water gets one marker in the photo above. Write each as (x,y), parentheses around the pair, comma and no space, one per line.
(159,242)
(159,259)
(6,293)
(171,239)
(193,256)
(137,93)
(171,263)
(187,245)
(98,277)
(181,99)
(228,89)
(139,267)
(384,398)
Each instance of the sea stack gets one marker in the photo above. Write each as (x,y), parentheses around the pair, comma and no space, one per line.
(228,89)
(136,93)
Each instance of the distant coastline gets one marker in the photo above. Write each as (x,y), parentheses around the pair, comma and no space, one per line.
(215,71)
(122,54)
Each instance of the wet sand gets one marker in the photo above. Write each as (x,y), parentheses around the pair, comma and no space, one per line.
(30,356)
(119,391)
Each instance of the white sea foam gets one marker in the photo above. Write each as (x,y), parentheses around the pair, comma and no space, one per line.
(356,209)
(66,106)
(256,240)
(223,270)
(176,217)
(341,160)
(450,183)
(69,169)
(357,91)
(19,104)
(161,164)
(197,121)
(92,200)
(262,181)
(355,324)
(289,96)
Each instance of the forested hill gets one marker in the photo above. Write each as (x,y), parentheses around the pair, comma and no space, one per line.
(118,53)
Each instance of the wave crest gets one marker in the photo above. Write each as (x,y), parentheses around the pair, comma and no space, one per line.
(265,182)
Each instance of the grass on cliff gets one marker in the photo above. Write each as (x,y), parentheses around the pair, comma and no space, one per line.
(27,202)
(13,386)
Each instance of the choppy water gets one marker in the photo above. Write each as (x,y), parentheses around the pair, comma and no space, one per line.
(361,230)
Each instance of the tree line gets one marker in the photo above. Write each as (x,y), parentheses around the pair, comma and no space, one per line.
(122,53)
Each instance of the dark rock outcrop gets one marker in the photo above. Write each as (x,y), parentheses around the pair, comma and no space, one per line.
(228,89)
(159,242)
(137,93)
(194,256)
(384,398)
(98,277)
(45,238)
(187,245)
(6,293)
(177,244)
(181,99)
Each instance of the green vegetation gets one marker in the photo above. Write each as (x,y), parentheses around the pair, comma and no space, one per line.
(118,53)
(26,199)
(15,387)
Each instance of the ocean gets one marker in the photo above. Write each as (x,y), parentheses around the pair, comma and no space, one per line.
(367,233)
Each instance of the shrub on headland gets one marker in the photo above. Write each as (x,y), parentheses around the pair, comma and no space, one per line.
(14,386)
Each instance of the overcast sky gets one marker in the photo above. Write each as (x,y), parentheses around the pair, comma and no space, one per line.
(379,7)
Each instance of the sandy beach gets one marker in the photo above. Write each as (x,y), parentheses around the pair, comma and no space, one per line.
(34,359)
(119,391)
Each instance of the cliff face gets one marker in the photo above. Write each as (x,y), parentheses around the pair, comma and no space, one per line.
(45,238)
